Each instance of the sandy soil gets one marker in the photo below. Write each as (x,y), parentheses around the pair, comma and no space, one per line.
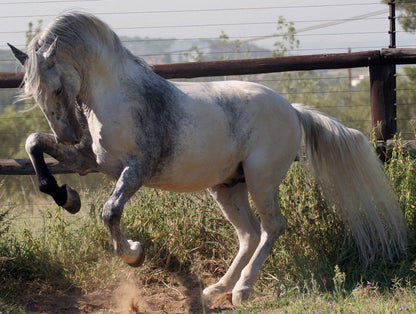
(158,293)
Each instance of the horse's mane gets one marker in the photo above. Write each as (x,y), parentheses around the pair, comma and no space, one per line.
(77,33)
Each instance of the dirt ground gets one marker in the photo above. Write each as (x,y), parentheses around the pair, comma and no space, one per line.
(159,293)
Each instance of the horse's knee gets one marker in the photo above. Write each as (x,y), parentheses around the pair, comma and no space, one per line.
(32,143)
(111,213)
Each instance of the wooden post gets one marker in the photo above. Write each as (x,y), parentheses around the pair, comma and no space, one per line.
(383,104)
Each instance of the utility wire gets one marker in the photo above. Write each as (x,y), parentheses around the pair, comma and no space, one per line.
(203,10)
(216,25)
(310,28)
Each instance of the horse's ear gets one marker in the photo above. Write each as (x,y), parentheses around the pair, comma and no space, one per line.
(20,55)
(50,55)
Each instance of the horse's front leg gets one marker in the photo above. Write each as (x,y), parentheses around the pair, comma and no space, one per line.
(78,158)
(127,184)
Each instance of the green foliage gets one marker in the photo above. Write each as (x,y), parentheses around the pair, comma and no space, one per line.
(286,30)
(15,126)
(17,121)
(225,48)
(339,282)
(33,31)
(194,54)
(406,102)
(58,254)
(401,170)
(411,73)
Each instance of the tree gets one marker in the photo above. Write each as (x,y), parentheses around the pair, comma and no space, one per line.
(287,32)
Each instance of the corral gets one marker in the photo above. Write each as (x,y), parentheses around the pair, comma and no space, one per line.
(382,75)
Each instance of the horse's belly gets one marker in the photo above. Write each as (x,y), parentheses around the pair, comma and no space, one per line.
(194,175)
(182,186)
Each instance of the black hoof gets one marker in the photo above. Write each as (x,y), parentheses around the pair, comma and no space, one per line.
(73,202)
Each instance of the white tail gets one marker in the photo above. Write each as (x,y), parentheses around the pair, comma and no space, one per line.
(352,178)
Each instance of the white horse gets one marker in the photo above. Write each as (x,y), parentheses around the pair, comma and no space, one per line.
(111,113)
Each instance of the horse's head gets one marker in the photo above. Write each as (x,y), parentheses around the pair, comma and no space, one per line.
(54,85)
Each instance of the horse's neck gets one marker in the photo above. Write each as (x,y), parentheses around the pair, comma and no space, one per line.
(98,78)
(105,83)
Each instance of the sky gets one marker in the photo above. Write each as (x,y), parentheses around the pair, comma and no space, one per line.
(243,19)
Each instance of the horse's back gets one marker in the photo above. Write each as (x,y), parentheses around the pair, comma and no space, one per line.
(250,113)
(226,122)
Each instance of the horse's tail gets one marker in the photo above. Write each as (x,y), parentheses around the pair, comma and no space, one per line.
(352,178)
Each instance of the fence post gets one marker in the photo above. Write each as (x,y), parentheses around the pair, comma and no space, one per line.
(383,104)
(383,93)
(392,19)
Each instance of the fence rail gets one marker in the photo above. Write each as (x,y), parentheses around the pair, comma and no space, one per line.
(25,167)
(382,71)
(265,65)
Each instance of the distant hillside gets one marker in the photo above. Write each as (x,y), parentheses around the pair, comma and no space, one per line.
(174,50)
(158,50)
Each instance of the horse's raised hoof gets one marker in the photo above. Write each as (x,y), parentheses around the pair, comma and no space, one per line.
(137,254)
(73,202)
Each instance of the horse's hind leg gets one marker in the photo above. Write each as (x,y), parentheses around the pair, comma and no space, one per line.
(263,186)
(78,158)
(236,208)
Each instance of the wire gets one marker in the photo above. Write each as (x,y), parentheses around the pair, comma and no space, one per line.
(208,25)
(206,10)
(139,39)
(179,52)
(314,27)
(243,9)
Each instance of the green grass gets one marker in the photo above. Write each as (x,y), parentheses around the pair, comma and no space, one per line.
(364,298)
(314,266)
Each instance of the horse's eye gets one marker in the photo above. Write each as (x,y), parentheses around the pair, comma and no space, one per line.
(59,91)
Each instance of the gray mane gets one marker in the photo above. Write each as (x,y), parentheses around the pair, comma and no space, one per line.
(78,34)
(78,28)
